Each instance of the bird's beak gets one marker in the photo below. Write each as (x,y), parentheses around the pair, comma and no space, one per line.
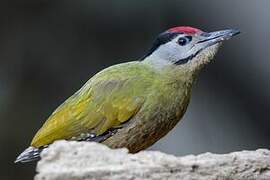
(209,39)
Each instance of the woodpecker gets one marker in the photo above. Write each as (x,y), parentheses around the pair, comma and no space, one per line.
(133,104)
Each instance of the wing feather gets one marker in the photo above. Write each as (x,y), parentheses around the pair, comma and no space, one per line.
(107,100)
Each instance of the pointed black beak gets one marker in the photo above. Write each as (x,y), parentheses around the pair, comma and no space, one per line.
(212,38)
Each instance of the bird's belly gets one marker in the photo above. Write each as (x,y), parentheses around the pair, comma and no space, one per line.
(147,127)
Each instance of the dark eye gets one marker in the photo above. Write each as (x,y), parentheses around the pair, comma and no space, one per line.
(182,41)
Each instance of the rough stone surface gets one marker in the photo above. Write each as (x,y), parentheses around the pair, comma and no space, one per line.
(84,160)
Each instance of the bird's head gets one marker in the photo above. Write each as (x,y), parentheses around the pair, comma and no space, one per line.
(187,47)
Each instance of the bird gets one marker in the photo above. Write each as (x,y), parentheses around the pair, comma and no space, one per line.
(136,103)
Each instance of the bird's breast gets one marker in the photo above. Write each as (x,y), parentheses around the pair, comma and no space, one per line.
(160,113)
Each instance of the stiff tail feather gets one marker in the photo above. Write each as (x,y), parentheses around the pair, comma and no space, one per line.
(28,155)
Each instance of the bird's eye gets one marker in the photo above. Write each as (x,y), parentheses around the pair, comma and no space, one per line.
(182,41)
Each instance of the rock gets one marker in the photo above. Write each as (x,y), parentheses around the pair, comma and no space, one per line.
(84,160)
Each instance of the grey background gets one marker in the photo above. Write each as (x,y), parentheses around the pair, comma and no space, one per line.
(48,49)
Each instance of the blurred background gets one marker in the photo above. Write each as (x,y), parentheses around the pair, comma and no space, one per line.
(49,49)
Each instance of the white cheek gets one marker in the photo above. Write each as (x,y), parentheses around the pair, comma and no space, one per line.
(167,53)
(172,52)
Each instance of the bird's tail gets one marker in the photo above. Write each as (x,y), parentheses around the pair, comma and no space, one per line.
(28,155)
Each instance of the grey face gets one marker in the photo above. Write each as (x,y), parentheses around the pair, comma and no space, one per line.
(180,48)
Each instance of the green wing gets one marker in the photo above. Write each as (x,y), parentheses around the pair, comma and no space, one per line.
(107,100)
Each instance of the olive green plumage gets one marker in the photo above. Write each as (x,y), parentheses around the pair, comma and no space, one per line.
(150,100)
